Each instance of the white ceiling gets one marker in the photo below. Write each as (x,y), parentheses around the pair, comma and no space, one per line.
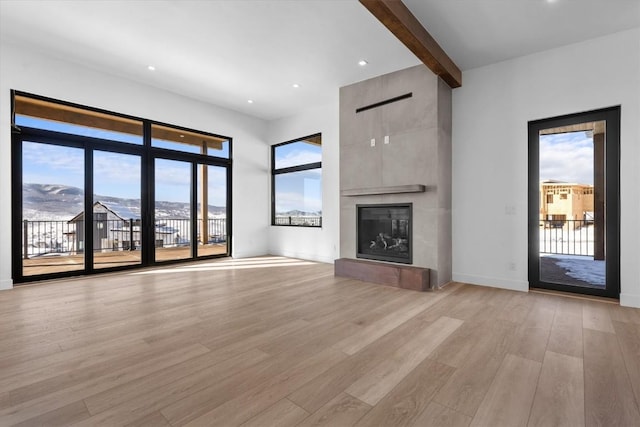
(481,32)
(226,52)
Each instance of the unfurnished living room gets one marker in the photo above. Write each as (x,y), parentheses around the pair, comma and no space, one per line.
(319,212)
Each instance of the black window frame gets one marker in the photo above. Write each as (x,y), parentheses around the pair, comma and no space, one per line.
(147,153)
(292,169)
(612,116)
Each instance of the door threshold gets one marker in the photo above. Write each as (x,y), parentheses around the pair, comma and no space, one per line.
(607,300)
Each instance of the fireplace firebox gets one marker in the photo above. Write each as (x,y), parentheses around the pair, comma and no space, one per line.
(384,232)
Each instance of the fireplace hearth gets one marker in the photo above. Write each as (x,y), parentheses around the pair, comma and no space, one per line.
(384,232)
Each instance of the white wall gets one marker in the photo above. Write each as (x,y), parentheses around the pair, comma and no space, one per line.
(318,244)
(490,115)
(31,71)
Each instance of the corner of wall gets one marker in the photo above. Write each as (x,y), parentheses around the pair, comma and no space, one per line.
(6,284)
(492,282)
(630,300)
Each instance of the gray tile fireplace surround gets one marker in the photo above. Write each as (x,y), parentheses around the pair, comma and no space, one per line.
(395,147)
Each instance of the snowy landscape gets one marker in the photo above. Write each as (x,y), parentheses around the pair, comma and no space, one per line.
(572,248)
(49,211)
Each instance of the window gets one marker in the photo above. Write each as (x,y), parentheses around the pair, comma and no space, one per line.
(154,192)
(296,182)
(563,196)
(549,198)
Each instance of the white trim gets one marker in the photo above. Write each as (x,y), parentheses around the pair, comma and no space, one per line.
(492,282)
(305,256)
(629,300)
(6,284)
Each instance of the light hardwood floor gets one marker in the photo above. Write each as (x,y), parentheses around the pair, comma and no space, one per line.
(281,342)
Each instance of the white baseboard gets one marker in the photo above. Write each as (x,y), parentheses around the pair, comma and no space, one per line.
(248,254)
(6,284)
(492,282)
(305,256)
(629,300)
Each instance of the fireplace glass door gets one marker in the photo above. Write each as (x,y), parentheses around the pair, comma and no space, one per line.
(384,232)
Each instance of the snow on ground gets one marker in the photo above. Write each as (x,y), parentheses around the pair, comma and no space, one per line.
(583,268)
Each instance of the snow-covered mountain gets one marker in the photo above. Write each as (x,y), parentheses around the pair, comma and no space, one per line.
(42,202)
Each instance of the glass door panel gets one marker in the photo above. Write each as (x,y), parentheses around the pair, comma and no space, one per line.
(574,231)
(172,211)
(212,210)
(571,205)
(52,209)
(117,221)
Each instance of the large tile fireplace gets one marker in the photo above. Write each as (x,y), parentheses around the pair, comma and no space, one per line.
(395,152)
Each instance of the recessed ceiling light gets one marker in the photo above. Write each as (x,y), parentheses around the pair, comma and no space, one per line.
(362,63)
(151,68)
(250,101)
(296,85)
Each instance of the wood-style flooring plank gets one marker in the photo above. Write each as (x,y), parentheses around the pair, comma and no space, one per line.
(154,419)
(320,390)
(344,410)
(404,404)
(595,315)
(66,415)
(441,416)
(457,348)
(609,399)
(59,397)
(154,392)
(532,335)
(468,385)
(20,379)
(566,334)
(260,341)
(515,309)
(207,399)
(628,335)
(247,405)
(559,398)
(384,377)
(377,329)
(284,413)
(624,314)
(508,400)
(5,400)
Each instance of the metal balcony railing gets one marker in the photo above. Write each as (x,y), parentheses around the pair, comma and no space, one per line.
(567,237)
(304,221)
(55,237)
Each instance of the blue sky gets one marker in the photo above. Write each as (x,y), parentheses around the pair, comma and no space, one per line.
(118,175)
(299,190)
(115,174)
(567,157)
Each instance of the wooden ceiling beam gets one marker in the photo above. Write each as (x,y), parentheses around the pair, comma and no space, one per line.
(394,15)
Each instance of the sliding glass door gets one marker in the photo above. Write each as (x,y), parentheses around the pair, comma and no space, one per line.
(154,193)
(172,210)
(117,223)
(51,215)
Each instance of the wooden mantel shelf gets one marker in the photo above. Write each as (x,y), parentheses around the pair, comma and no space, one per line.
(397,189)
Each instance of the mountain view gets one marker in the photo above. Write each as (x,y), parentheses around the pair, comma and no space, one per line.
(52,202)
(61,202)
